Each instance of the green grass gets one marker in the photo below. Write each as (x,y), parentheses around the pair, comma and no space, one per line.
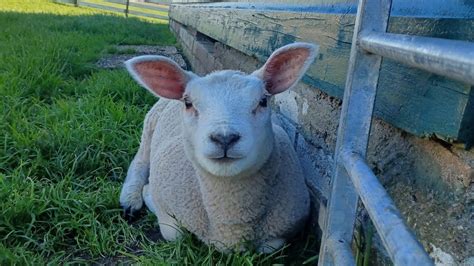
(67,134)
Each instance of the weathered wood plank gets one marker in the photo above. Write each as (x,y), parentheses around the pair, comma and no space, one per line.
(99,6)
(121,10)
(117,1)
(191,1)
(405,8)
(154,6)
(143,14)
(418,102)
(66,1)
(161,2)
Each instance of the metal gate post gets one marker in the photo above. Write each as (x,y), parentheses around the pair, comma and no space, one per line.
(353,134)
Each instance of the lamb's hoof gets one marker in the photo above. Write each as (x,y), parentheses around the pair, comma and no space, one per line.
(131,201)
(130,214)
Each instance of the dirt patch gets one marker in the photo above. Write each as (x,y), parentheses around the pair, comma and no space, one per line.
(447,225)
(117,55)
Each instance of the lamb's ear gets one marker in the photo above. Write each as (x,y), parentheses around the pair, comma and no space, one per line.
(160,75)
(286,66)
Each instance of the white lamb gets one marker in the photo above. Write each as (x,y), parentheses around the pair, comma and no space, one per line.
(210,158)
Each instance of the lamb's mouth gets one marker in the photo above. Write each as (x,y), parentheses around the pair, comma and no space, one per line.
(225,159)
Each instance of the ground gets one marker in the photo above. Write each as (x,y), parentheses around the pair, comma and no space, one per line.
(67,134)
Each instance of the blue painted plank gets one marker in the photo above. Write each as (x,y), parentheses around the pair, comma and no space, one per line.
(401,8)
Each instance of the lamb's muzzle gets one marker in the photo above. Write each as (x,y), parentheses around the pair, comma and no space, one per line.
(214,162)
(225,141)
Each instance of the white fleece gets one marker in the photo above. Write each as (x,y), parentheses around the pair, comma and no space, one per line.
(271,204)
(226,193)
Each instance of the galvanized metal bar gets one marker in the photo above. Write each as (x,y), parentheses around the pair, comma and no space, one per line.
(341,252)
(451,58)
(354,125)
(400,243)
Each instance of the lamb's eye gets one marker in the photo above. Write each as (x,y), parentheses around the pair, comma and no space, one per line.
(263,102)
(188,103)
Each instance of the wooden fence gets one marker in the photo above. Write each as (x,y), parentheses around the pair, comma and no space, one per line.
(152,9)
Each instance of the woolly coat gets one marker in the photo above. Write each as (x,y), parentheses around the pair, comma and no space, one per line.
(271,204)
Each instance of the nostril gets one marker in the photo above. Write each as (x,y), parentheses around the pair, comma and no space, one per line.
(232,139)
(225,141)
(217,138)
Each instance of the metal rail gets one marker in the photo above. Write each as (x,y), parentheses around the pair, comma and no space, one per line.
(451,58)
(352,176)
(341,253)
(401,244)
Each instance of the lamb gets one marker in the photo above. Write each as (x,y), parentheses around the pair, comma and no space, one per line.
(210,158)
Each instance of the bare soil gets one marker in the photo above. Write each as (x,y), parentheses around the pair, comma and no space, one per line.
(122,53)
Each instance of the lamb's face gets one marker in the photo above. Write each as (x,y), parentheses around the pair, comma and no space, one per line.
(226,122)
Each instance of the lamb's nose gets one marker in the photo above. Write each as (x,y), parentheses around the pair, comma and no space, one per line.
(225,141)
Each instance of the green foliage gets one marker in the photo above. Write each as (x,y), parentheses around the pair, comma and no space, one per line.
(67,134)
(363,237)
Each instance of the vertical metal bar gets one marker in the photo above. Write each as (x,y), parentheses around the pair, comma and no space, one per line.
(354,125)
(341,253)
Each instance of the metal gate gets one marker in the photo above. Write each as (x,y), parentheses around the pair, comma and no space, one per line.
(353,178)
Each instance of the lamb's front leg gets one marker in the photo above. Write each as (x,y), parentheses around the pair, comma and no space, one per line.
(137,177)
(131,198)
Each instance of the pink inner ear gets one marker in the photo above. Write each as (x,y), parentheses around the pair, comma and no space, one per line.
(283,70)
(162,78)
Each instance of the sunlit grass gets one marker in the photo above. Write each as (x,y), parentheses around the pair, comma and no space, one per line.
(67,134)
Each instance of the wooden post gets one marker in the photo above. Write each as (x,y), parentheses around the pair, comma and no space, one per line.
(127,4)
